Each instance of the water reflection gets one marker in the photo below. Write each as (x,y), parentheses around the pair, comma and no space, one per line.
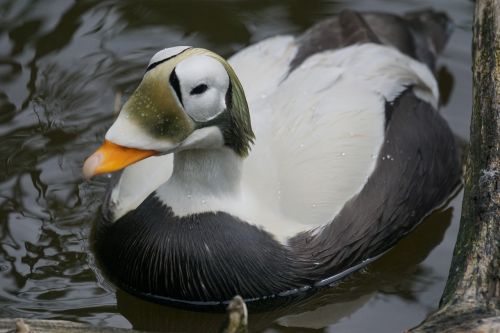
(61,63)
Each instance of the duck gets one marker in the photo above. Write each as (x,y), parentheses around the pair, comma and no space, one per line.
(287,167)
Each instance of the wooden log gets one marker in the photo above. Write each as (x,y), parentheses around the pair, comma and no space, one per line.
(53,326)
(471,299)
(237,322)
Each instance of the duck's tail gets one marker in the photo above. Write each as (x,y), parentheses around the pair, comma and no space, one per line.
(435,27)
(421,34)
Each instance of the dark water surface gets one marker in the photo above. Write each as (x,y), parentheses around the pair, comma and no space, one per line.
(62,64)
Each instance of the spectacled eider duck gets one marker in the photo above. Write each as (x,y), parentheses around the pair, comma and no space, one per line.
(287,167)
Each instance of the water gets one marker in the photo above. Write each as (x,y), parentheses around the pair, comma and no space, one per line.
(63,66)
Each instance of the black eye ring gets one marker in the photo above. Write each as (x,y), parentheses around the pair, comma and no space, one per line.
(199,89)
(174,82)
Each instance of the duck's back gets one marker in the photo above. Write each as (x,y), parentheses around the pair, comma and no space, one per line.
(321,112)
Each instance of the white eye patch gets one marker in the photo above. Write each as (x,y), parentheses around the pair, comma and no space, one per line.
(203,84)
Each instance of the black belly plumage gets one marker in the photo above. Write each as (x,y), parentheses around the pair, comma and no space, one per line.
(205,258)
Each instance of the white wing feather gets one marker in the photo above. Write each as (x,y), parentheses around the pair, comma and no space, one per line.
(320,131)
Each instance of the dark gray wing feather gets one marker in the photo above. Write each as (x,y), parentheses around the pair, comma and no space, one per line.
(421,35)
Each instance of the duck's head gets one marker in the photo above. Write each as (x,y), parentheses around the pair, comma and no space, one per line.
(189,98)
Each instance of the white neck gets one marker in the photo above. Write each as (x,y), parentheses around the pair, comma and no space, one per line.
(202,178)
(209,171)
(210,180)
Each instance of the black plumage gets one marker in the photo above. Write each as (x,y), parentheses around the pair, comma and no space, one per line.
(206,257)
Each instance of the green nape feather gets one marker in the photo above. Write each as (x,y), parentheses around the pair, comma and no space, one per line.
(238,132)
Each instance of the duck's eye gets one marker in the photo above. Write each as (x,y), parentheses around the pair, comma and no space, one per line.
(199,89)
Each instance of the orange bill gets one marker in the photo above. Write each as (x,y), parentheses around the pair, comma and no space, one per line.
(112,157)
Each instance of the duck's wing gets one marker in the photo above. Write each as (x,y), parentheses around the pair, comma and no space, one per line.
(417,170)
(320,133)
(320,128)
